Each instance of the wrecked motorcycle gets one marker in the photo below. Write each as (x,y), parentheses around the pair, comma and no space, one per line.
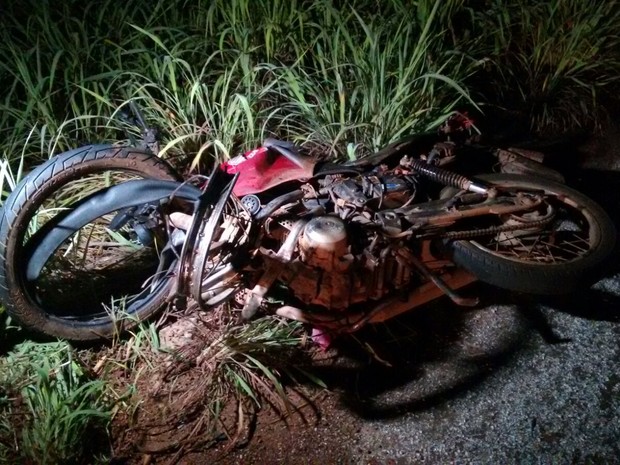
(337,246)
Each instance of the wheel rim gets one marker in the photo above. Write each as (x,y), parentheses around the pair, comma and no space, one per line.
(569,236)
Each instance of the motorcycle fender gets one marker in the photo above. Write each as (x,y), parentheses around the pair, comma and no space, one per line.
(129,194)
(515,161)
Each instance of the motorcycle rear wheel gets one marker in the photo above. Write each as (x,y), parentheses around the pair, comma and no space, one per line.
(557,258)
(92,272)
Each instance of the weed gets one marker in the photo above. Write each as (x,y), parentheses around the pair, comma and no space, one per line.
(216,78)
(51,404)
(554,63)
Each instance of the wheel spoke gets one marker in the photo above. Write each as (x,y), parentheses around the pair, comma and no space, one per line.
(543,247)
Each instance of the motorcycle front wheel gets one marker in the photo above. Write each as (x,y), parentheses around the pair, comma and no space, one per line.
(559,257)
(93,285)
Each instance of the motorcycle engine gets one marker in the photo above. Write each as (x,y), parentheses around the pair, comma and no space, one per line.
(321,274)
(341,262)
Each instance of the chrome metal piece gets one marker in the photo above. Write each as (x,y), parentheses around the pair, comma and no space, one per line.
(325,231)
(324,243)
(477,187)
(252,203)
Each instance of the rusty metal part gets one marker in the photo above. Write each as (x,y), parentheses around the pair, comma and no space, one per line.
(425,293)
(350,191)
(434,278)
(274,267)
(351,321)
(338,280)
(533,155)
(441,153)
(473,233)
(496,206)
(381,268)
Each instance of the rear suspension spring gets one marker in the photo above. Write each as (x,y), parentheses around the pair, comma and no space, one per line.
(447,178)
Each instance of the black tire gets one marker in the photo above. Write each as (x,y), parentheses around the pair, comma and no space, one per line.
(22,210)
(589,226)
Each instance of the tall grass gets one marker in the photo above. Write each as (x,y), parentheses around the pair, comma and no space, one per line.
(53,410)
(368,81)
(217,77)
(554,64)
(343,78)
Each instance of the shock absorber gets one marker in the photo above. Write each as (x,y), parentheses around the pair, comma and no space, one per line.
(445,177)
